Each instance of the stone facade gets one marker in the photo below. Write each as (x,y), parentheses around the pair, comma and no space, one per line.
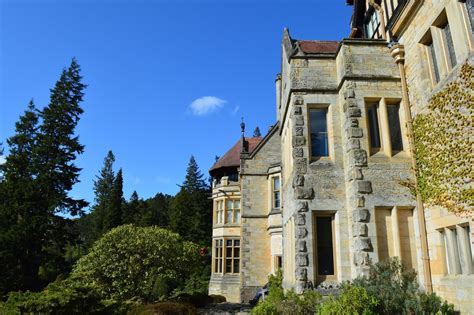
(352,204)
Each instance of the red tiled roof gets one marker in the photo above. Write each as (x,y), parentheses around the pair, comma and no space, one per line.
(318,46)
(232,157)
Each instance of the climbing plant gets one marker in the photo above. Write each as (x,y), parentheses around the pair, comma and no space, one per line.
(444,143)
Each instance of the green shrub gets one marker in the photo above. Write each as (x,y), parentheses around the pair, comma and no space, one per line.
(352,300)
(70,296)
(138,262)
(279,302)
(397,291)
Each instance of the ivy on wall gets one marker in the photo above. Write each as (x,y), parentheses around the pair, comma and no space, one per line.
(444,143)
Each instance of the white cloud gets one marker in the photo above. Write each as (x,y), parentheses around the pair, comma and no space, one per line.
(206,105)
(235,110)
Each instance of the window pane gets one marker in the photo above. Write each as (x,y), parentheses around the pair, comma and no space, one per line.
(230,204)
(228,252)
(277,199)
(374,126)
(449,43)
(470,11)
(228,243)
(394,127)
(237,243)
(237,204)
(229,216)
(434,61)
(237,216)
(228,265)
(236,265)
(276,183)
(319,135)
(324,246)
(236,252)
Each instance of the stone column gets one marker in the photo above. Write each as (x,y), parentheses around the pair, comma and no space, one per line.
(357,187)
(302,194)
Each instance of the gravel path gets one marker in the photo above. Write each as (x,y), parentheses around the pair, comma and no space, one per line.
(225,308)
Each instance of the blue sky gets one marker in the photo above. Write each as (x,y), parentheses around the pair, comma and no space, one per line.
(166,79)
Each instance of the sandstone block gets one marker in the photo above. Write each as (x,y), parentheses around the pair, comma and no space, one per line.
(354,132)
(364,187)
(298,141)
(300,219)
(297,152)
(298,131)
(302,246)
(301,166)
(360,215)
(361,259)
(304,193)
(359,157)
(362,244)
(298,101)
(298,181)
(353,144)
(297,110)
(299,121)
(353,112)
(301,274)
(359,229)
(302,206)
(301,233)
(350,93)
(302,260)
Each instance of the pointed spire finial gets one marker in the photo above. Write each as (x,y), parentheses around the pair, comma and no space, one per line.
(242,126)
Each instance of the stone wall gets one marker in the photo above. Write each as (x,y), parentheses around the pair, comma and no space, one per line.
(256,255)
(350,183)
(457,289)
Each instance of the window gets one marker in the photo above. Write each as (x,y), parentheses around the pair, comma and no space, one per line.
(470,13)
(385,127)
(433,61)
(319,132)
(230,263)
(220,212)
(218,244)
(276,192)
(324,240)
(449,43)
(394,127)
(396,235)
(374,129)
(372,24)
(278,262)
(232,256)
(457,250)
(233,211)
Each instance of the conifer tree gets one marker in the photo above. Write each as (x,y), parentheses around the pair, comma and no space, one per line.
(114,210)
(131,209)
(103,186)
(256,132)
(191,211)
(38,174)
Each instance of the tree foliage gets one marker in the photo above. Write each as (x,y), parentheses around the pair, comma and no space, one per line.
(130,262)
(38,175)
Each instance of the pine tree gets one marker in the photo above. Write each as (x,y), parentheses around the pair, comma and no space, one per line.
(39,173)
(129,214)
(191,211)
(256,132)
(57,145)
(103,186)
(114,210)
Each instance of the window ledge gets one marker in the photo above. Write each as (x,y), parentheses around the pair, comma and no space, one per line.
(226,225)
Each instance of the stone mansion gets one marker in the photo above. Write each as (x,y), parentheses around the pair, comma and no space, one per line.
(322,194)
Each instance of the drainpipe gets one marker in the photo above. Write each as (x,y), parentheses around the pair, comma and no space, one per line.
(398,53)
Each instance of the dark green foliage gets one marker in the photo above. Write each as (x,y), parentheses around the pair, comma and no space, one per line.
(352,300)
(70,296)
(114,213)
(279,302)
(144,263)
(130,212)
(38,174)
(256,132)
(102,189)
(191,209)
(396,289)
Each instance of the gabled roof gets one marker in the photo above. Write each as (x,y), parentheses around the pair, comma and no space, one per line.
(232,157)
